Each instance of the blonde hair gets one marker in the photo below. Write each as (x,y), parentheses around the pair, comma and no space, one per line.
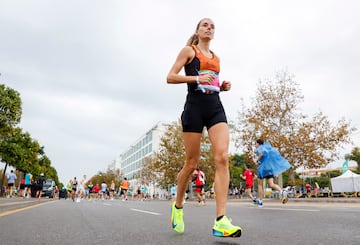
(194,39)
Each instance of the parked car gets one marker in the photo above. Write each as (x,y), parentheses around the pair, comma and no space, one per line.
(48,188)
(63,193)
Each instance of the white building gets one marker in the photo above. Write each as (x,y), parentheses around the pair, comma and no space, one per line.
(131,160)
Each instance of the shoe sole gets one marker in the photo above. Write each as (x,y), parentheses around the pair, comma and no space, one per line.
(285,197)
(285,200)
(237,233)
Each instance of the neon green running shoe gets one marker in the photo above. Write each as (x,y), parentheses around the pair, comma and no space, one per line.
(224,228)
(177,221)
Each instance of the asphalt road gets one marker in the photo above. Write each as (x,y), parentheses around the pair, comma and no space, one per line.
(135,222)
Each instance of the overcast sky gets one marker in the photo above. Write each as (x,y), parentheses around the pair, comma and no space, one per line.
(92,74)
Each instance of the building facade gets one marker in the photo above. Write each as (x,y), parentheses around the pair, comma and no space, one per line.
(133,158)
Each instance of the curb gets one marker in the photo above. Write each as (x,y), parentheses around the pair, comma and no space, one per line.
(328,200)
(307,200)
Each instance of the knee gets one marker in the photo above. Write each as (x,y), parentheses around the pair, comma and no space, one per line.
(272,185)
(222,159)
(191,162)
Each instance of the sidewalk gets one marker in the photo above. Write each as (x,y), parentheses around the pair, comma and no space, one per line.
(312,199)
(8,204)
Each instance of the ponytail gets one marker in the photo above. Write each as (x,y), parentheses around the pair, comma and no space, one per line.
(193,40)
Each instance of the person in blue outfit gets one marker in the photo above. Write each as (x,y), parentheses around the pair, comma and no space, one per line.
(270,164)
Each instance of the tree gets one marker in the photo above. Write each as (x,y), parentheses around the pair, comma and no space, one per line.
(20,151)
(236,168)
(46,168)
(10,110)
(147,173)
(355,156)
(239,160)
(274,116)
(10,115)
(51,173)
(206,162)
(106,177)
(168,161)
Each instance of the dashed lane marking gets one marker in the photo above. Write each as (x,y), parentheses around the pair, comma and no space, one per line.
(144,211)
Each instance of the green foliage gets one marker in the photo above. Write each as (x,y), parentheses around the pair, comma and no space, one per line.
(10,108)
(236,167)
(355,156)
(332,174)
(18,149)
(206,162)
(295,181)
(323,181)
(239,160)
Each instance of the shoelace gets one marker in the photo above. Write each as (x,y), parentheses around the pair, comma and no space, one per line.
(227,221)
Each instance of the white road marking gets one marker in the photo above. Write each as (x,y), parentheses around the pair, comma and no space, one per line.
(12,203)
(22,209)
(144,211)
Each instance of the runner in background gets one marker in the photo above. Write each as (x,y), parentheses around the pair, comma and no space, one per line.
(199,179)
(270,164)
(249,178)
(124,188)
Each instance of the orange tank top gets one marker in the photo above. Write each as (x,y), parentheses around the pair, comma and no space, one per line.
(206,63)
(125,184)
(208,66)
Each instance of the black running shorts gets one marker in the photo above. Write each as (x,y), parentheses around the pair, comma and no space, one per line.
(202,110)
